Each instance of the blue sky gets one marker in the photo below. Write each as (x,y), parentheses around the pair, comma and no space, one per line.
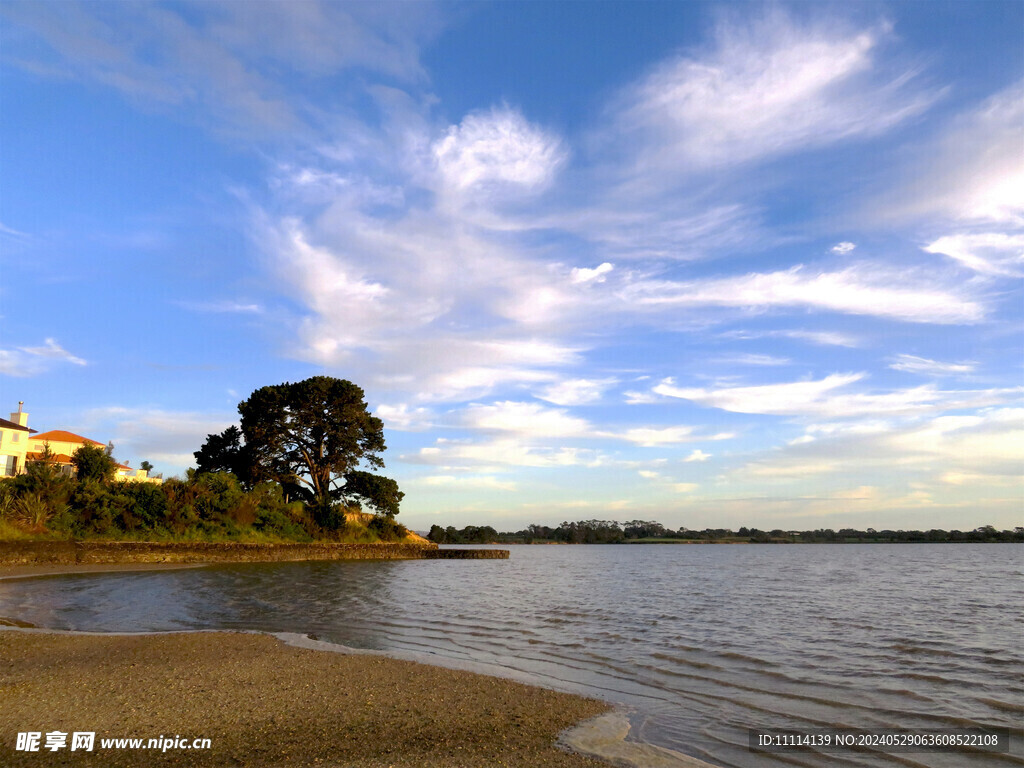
(714,264)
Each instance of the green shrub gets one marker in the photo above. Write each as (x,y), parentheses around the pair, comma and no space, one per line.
(387,529)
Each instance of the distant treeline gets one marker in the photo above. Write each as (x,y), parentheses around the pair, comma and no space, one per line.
(637,531)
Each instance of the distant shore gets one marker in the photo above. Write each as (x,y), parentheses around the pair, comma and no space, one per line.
(262,703)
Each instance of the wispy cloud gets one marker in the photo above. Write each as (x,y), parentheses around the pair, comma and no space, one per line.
(166,438)
(226,306)
(974,173)
(763,88)
(530,419)
(819,398)
(501,452)
(822,338)
(11,232)
(861,290)
(223,59)
(467,482)
(32,361)
(753,359)
(922,365)
(653,437)
(989,253)
(576,391)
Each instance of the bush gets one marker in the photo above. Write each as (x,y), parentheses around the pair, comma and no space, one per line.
(387,529)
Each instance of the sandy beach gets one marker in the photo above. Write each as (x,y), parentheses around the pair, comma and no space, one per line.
(263,703)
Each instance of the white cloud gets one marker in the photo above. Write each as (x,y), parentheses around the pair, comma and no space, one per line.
(821,338)
(817,398)
(576,391)
(641,398)
(843,248)
(975,172)
(652,437)
(596,275)
(166,438)
(499,147)
(778,470)
(991,441)
(422,306)
(222,58)
(666,482)
(924,366)
(990,253)
(404,417)
(468,482)
(861,290)
(501,452)
(32,361)
(530,419)
(5,230)
(769,87)
(766,398)
(697,455)
(226,306)
(754,359)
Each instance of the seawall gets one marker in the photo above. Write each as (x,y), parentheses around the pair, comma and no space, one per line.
(94,552)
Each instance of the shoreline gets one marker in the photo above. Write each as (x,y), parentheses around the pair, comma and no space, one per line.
(587,732)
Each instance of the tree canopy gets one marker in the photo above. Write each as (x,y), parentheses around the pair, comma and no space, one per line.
(311,437)
(93,463)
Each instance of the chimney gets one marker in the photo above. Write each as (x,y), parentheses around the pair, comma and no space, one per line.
(20,418)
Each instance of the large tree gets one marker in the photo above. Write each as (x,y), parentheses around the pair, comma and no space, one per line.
(310,437)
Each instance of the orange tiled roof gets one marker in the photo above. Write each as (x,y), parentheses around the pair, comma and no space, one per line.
(59,458)
(61,436)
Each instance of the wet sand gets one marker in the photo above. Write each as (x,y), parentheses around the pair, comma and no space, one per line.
(264,703)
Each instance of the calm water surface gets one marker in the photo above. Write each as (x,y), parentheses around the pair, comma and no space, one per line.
(701,642)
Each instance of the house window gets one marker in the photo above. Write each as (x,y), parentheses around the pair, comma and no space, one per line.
(15,437)
(8,465)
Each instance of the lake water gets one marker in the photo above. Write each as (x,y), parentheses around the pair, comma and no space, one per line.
(700,642)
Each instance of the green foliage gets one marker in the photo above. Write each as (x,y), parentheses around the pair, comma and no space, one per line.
(379,493)
(329,517)
(290,472)
(471,534)
(310,434)
(206,507)
(93,463)
(226,453)
(387,529)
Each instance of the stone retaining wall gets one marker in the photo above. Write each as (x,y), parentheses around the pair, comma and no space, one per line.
(78,552)
(70,553)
